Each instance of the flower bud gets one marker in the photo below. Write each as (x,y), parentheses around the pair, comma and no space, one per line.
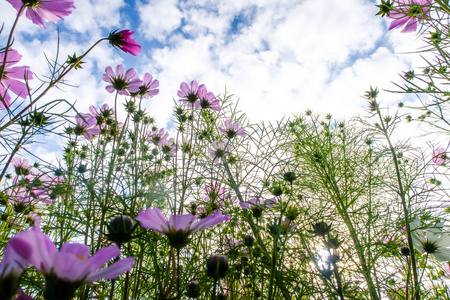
(289,176)
(292,213)
(220,296)
(332,242)
(120,230)
(256,211)
(248,240)
(193,289)
(405,251)
(217,266)
(276,190)
(321,228)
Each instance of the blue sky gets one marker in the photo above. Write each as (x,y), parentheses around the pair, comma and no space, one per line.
(277,57)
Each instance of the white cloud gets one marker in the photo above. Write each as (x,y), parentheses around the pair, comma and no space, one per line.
(285,56)
(159,18)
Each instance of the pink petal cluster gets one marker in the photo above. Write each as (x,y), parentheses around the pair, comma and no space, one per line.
(149,86)
(155,136)
(439,156)
(44,10)
(408,14)
(87,125)
(12,78)
(123,82)
(188,93)
(124,41)
(35,186)
(232,130)
(72,262)
(258,202)
(177,228)
(218,151)
(197,96)
(168,146)
(206,100)
(220,196)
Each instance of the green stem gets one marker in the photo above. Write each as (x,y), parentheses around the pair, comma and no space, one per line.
(404,206)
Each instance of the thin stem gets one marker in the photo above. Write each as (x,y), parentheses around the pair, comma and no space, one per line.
(404,206)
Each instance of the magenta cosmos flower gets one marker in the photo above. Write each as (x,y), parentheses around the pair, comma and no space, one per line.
(179,227)
(45,10)
(148,87)
(232,130)
(188,93)
(86,125)
(70,267)
(218,151)
(11,268)
(11,78)
(123,82)
(206,100)
(408,13)
(439,156)
(124,41)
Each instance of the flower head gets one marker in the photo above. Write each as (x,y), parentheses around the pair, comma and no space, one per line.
(408,13)
(168,146)
(11,78)
(124,41)
(11,268)
(439,156)
(39,11)
(188,93)
(232,130)
(86,125)
(257,205)
(21,166)
(206,100)
(217,151)
(71,264)
(123,82)
(148,88)
(432,241)
(179,227)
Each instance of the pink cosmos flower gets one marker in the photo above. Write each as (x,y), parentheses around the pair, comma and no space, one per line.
(105,111)
(148,88)
(217,151)
(269,203)
(188,93)
(220,196)
(11,77)
(168,146)
(124,41)
(408,13)
(21,166)
(45,10)
(155,135)
(179,227)
(439,156)
(206,99)
(232,130)
(123,82)
(71,264)
(86,125)
(11,268)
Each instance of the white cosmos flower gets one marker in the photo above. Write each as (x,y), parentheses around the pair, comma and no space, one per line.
(432,241)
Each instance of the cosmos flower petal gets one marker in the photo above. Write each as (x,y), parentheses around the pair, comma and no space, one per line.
(104,255)
(153,219)
(210,220)
(114,270)
(181,222)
